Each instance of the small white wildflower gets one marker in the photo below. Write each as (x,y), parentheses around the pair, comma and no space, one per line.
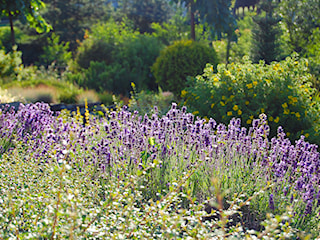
(65,151)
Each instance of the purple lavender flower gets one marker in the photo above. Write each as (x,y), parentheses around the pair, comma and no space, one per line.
(271,202)
(308,209)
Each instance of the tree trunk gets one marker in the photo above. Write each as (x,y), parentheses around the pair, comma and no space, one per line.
(13,42)
(192,24)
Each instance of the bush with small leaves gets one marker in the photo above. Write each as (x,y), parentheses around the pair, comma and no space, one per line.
(150,102)
(180,60)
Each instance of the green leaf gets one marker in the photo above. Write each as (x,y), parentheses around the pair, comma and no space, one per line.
(151,141)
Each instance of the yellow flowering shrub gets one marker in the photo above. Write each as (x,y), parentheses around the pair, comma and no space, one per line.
(281,90)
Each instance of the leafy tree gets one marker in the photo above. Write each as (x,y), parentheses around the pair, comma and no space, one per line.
(28,10)
(190,4)
(143,13)
(70,18)
(217,13)
(313,54)
(300,18)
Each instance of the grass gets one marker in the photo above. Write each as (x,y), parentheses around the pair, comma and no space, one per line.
(40,93)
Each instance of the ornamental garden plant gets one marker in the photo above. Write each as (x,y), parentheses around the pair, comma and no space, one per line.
(178,61)
(175,176)
(281,90)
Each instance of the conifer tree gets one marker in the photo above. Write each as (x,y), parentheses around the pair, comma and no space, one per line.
(265,34)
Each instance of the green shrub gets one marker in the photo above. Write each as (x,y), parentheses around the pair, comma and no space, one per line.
(103,42)
(96,76)
(106,98)
(40,84)
(113,56)
(57,52)
(282,90)
(147,102)
(93,50)
(182,59)
(137,56)
(5,37)
(103,77)
(10,65)
(68,96)
(313,54)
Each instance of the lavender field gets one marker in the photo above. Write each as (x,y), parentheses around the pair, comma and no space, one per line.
(126,176)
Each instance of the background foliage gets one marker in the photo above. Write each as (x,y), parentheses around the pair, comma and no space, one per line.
(113,56)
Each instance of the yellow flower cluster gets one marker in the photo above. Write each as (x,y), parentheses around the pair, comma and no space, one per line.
(285,108)
(286,111)
(249,86)
(292,100)
(235,107)
(227,73)
(271,119)
(249,121)
(184,93)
